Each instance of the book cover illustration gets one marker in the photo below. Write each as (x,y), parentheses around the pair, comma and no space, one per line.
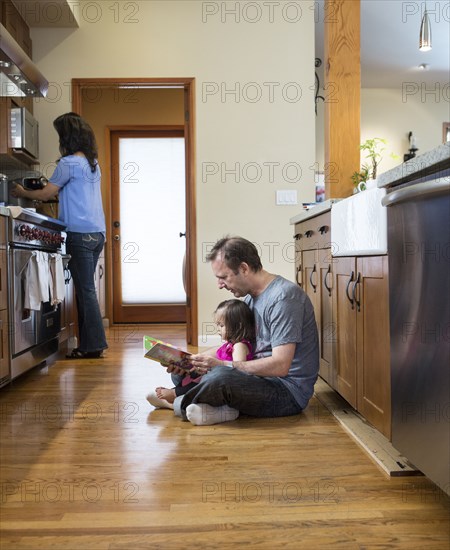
(166,354)
(149,342)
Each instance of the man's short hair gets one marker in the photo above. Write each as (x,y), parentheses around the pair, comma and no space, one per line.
(234,251)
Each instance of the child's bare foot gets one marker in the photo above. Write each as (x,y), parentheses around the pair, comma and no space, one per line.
(167,394)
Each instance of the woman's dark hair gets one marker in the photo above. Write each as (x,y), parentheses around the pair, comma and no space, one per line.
(238,320)
(234,251)
(75,135)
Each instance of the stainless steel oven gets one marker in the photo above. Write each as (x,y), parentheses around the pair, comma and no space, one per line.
(34,331)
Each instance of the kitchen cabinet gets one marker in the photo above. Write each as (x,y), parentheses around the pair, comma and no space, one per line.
(350,297)
(361,323)
(315,276)
(4,325)
(14,23)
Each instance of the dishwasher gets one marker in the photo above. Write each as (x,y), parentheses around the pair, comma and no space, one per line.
(418,215)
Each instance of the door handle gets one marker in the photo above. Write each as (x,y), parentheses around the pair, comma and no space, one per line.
(182,234)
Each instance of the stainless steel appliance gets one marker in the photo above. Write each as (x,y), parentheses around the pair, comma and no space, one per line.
(19,76)
(34,333)
(4,190)
(419,280)
(7,183)
(24,132)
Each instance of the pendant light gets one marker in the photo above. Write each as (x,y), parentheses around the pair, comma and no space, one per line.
(425,33)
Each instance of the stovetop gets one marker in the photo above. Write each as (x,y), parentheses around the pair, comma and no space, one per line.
(31,230)
(30,216)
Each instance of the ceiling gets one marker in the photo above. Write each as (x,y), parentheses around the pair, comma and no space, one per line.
(390,29)
(390,54)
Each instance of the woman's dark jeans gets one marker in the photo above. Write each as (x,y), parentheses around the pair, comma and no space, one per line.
(85,249)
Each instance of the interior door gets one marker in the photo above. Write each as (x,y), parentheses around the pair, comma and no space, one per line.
(148,223)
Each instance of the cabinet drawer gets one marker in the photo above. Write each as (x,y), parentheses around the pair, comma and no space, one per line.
(314,233)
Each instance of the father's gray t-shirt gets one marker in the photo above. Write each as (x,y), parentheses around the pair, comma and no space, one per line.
(284,314)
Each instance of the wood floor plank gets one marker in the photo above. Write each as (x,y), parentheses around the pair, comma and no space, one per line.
(86,462)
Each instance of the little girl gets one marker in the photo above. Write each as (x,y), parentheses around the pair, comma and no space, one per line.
(236,326)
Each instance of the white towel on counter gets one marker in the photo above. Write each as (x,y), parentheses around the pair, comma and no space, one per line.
(37,280)
(58,286)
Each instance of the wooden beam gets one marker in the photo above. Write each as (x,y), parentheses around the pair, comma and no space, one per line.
(342,95)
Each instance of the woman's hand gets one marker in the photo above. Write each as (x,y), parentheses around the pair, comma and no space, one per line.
(203,363)
(18,191)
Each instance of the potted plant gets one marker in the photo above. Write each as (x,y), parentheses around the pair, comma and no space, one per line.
(360,178)
(374,149)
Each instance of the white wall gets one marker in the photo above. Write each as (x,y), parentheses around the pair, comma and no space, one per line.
(391,114)
(265,53)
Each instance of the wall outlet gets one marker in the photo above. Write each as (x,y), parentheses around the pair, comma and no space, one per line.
(287,197)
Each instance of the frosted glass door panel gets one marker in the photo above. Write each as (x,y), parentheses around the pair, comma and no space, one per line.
(152,215)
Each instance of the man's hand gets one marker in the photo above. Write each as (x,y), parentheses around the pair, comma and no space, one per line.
(173,369)
(203,363)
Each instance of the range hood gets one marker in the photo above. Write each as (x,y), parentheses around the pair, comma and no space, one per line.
(19,76)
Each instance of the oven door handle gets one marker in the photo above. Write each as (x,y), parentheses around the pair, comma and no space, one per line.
(417,191)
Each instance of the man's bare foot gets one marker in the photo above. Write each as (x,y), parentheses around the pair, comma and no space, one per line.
(167,394)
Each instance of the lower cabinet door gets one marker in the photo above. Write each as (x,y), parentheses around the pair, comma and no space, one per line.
(373,351)
(344,317)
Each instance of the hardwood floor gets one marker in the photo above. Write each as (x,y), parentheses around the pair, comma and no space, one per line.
(87,463)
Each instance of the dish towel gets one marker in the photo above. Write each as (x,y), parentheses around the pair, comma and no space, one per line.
(37,280)
(57,282)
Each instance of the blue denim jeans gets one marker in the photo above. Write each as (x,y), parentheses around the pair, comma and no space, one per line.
(85,249)
(249,394)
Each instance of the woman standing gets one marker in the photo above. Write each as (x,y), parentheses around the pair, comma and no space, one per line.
(77,179)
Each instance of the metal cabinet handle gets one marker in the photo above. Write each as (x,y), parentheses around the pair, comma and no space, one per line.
(348,286)
(298,236)
(299,270)
(323,229)
(309,233)
(310,279)
(117,237)
(100,272)
(325,280)
(358,303)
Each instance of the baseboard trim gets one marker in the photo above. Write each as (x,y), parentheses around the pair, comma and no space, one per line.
(377,446)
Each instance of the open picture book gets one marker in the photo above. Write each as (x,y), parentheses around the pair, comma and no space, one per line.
(166,354)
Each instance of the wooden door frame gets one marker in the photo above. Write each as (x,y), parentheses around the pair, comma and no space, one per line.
(165,313)
(188,84)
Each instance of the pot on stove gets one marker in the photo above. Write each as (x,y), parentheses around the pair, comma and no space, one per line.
(34,182)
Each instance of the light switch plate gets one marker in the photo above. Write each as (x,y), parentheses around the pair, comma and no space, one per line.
(287,197)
